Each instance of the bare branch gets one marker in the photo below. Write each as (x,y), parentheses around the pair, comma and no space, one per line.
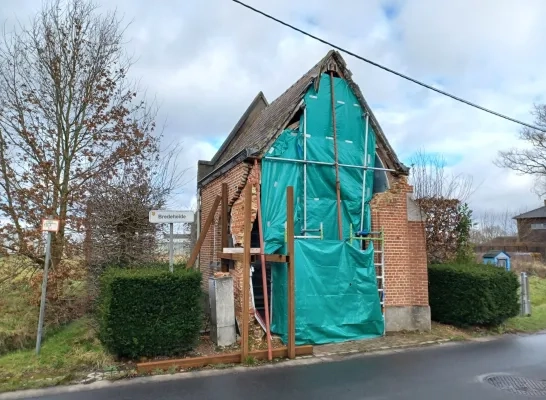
(430,179)
(531,158)
(69,117)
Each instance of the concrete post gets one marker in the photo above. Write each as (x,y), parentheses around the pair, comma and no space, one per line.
(222,306)
(525,295)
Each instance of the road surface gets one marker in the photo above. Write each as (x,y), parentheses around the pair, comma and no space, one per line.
(437,373)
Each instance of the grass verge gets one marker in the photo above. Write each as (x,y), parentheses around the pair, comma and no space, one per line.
(18,319)
(537,321)
(69,354)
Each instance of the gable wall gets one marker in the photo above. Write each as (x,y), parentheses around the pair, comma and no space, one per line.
(405,250)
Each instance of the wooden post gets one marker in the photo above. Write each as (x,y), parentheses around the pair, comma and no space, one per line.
(336,162)
(291,275)
(224,223)
(203,234)
(246,270)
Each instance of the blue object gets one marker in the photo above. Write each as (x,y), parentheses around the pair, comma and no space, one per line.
(498,258)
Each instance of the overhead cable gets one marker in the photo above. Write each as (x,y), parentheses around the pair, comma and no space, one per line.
(401,75)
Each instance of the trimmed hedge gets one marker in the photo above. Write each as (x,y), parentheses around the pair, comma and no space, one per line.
(150,312)
(474,294)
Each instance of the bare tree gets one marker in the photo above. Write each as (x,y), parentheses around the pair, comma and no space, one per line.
(118,228)
(531,159)
(491,224)
(442,197)
(430,179)
(69,118)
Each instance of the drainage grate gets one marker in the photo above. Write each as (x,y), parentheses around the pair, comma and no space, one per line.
(518,385)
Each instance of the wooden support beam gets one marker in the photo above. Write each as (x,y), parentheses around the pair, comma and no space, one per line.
(240,250)
(280,258)
(203,234)
(291,275)
(230,358)
(336,159)
(246,270)
(224,220)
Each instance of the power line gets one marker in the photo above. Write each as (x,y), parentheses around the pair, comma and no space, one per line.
(375,64)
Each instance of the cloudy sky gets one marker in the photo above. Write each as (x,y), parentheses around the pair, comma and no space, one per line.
(205,60)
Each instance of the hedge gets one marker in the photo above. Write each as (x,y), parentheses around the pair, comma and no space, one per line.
(149,312)
(474,294)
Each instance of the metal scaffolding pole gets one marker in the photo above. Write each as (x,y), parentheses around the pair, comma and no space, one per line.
(328,164)
(364,173)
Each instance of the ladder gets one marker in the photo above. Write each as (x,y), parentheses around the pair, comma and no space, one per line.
(376,237)
(379,264)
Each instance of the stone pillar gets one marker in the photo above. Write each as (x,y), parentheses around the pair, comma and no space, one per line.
(222,307)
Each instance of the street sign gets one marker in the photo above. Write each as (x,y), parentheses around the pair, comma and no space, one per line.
(170,217)
(50,225)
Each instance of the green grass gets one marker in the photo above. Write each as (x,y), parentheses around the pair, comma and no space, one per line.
(537,321)
(69,354)
(18,319)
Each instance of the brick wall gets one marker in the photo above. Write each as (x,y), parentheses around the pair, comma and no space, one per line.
(418,266)
(237,230)
(237,179)
(405,255)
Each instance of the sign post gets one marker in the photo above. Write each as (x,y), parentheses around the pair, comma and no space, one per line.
(171,247)
(171,217)
(50,226)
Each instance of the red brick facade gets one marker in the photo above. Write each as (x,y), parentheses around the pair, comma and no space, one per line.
(237,179)
(405,253)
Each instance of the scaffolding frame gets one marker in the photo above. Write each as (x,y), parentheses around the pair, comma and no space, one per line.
(376,237)
(305,162)
(304,231)
(364,174)
(368,236)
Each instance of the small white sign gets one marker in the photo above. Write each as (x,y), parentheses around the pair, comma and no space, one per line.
(50,225)
(169,217)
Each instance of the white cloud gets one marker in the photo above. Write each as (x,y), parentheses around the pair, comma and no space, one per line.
(205,61)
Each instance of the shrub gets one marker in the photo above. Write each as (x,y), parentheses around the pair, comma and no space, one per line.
(472,294)
(149,312)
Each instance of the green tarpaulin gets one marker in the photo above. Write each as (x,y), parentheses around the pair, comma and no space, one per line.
(336,288)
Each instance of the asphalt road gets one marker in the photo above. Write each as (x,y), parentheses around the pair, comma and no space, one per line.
(442,372)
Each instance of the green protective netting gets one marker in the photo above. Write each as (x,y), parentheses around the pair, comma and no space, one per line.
(336,288)
(336,294)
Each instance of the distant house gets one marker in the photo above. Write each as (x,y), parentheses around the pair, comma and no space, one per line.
(498,258)
(532,225)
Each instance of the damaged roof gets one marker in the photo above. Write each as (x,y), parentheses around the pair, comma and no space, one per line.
(262,122)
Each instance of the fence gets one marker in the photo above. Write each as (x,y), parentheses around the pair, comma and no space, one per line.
(513,248)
